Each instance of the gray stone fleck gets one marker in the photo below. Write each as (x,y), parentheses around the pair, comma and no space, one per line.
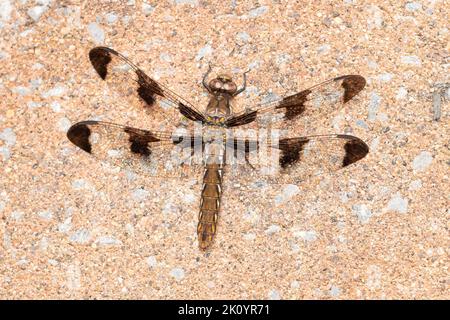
(22,91)
(402,92)
(33,104)
(295,284)
(362,124)
(243,36)
(177,273)
(64,124)
(205,51)
(46,215)
(57,91)
(411,60)
(37,66)
(96,33)
(309,235)
(6,9)
(422,161)
(374,105)
(436,106)
(16,215)
(111,18)
(363,213)
(288,192)
(397,203)
(385,77)
(56,106)
(8,136)
(65,226)
(374,144)
(5,152)
(80,236)
(274,295)
(139,194)
(413,6)
(79,184)
(323,49)
(151,262)
(257,11)
(36,12)
(415,185)
(335,291)
(375,18)
(52,262)
(283,58)
(273,229)
(26,33)
(249,236)
(43,244)
(147,9)
(107,241)
(165,57)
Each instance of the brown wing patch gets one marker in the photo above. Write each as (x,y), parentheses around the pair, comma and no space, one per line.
(355,149)
(79,135)
(290,151)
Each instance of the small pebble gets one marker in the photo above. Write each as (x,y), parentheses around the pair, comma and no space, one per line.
(422,161)
(177,273)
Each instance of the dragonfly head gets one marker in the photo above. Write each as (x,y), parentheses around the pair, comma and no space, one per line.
(223,84)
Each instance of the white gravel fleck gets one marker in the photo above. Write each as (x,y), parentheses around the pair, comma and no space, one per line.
(249,236)
(57,91)
(80,236)
(257,11)
(46,215)
(205,51)
(375,17)
(288,192)
(8,136)
(295,284)
(43,244)
(65,226)
(21,90)
(335,291)
(6,153)
(151,262)
(385,77)
(191,2)
(177,273)
(64,124)
(55,106)
(363,213)
(273,229)
(16,215)
(397,203)
(73,277)
(111,18)
(147,9)
(402,92)
(413,6)
(411,60)
(165,57)
(422,161)
(107,241)
(34,104)
(189,198)
(274,295)
(415,185)
(36,12)
(374,105)
(96,33)
(305,235)
(5,10)
(139,194)
(79,184)
(373,277)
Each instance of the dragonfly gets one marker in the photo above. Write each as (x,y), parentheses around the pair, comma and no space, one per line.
(217,149)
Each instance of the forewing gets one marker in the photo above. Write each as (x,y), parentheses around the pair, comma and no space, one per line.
(131,82)
(311,103)
(162,154)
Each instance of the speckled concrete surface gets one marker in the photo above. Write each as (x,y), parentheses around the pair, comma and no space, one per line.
(73,227)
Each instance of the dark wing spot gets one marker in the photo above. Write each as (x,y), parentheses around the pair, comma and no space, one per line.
(290,151)
(79,135)
(355,150)
(148,88)
(190,113)
(140,141)
(242,119)
(352,85)
(100,58)
(295,104)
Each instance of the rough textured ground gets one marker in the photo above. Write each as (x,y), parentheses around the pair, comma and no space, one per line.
(73,227)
